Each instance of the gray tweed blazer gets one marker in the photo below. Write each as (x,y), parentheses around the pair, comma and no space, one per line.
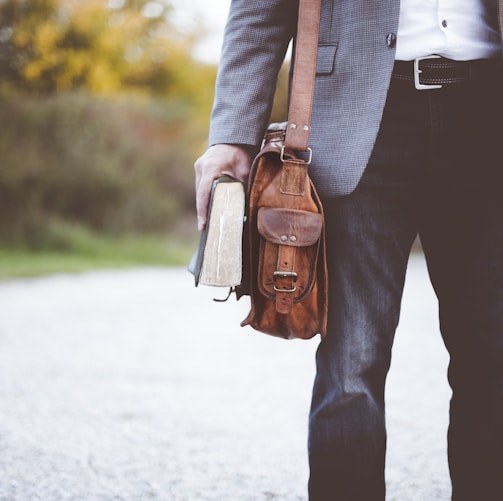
(355,59)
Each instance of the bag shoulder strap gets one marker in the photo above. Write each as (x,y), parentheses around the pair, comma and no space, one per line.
(304,72)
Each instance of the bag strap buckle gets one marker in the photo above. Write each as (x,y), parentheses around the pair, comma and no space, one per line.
(283,159)
(285,274)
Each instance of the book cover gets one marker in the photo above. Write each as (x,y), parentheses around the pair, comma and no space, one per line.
(218,258)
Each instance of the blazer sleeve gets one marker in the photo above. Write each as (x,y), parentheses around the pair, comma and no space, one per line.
(256,39)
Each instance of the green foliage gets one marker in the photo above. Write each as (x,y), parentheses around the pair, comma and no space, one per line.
(103,111)
(91,252)
(101,46)
(112,165)
(280,106)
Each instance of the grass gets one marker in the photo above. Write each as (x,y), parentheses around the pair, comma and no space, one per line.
(94,254)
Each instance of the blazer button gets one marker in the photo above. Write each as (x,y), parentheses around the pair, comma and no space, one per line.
(390,40)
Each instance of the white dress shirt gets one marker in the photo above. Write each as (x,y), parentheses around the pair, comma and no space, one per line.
(456,29)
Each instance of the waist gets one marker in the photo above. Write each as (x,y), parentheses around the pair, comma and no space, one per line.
(434,72)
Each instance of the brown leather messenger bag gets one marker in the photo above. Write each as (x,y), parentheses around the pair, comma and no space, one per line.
(285,269)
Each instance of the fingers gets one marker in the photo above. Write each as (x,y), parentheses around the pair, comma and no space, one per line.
(218,160)
(203,189)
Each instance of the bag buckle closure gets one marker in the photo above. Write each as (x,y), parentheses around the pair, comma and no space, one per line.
(282,155)
(417,72)
(285,274)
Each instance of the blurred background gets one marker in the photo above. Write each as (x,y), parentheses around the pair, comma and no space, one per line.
(104,106)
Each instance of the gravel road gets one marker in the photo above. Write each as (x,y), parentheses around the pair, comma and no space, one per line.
(132,385)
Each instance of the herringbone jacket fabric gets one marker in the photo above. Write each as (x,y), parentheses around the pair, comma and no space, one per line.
(355,59)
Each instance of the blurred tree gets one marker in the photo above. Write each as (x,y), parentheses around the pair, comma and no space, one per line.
(70,153)
(101,46)
(279,111)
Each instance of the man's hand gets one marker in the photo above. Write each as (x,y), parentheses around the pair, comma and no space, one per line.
(218,160)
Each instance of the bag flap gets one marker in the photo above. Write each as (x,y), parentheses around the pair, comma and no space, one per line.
(293,227)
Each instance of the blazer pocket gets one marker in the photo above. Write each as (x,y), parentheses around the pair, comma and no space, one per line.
(326,59)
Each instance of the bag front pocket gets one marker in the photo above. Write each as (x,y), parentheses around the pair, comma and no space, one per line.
(288,250)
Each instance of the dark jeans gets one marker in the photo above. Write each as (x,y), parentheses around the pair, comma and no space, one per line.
(436,170)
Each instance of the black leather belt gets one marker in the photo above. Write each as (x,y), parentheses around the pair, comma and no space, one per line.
(433,72)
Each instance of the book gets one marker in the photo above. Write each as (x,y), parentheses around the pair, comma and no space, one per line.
(218,258)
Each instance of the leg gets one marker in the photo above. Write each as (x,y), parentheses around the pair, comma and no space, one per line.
(369,235)
(347,438)
(462,234)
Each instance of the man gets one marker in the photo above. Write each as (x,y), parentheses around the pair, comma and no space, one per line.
(404,143)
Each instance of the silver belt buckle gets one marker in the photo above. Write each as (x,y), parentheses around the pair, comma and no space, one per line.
(417,71)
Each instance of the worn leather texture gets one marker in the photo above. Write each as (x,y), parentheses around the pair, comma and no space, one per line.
(287,269)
